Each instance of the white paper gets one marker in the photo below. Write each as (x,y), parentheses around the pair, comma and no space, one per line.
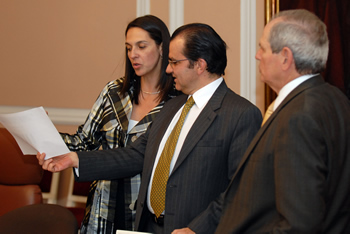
(34,132)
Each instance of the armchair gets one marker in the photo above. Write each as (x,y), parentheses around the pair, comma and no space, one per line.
(20,176)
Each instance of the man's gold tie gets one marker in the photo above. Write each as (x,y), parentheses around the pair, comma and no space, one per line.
(161,173)
(269,112)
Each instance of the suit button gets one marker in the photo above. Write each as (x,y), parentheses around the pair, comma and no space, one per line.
(141,204)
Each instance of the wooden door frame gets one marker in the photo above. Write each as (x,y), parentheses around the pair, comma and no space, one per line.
(271,8)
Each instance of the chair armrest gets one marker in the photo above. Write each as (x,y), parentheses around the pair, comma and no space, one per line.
(15,196)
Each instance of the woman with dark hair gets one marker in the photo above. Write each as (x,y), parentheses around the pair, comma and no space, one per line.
(122,113)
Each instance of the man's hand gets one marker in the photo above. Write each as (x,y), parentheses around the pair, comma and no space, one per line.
(58,163)
(183,231)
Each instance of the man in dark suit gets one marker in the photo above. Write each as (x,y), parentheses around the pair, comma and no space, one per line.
(295,174)
(212,141)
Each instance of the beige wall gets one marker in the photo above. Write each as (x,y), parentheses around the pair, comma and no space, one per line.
(224,17)
(160,8)
(61,53)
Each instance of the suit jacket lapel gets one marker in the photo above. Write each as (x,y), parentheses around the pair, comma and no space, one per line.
(312,82)
(202,123)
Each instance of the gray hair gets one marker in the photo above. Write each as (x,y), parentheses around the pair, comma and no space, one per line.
(305,35)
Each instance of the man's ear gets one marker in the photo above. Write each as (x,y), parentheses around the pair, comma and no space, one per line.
(201,65)
(287,58)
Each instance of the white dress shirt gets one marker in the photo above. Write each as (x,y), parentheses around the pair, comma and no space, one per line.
(289,88)
(201,98)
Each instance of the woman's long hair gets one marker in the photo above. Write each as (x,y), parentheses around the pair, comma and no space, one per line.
(159,32)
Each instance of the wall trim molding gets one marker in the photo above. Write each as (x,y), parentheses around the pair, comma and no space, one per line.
(248,50)
(176,14)
(143,7)
(59,116)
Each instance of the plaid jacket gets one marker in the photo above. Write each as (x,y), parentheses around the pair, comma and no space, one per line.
(106,127)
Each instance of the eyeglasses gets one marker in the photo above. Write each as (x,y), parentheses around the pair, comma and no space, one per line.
(174,62)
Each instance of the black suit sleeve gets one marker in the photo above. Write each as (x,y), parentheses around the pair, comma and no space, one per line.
(114,163)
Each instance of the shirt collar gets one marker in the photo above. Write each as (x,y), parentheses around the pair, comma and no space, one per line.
(289,87)
(202,96)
